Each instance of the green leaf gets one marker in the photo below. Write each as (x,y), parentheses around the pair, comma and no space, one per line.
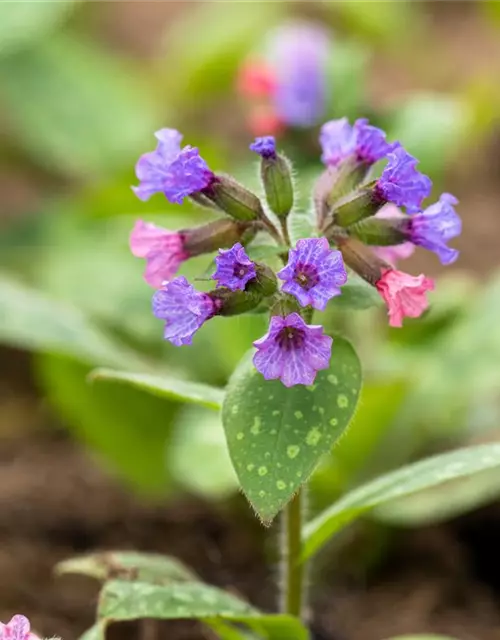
(135,600)
(443,502)
(23,23)
(300,224)
(410,479)
(263,252)
(30,320)
(121,600)
(211,67)
(128,565)
(432,127)
(276,435)
(357,294)
(96,632)
(128,428)
(163,386)
(198,458)
(75,109)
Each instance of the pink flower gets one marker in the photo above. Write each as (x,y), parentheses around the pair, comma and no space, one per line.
(393,254)
(404,295)
(17,629)
(164,251)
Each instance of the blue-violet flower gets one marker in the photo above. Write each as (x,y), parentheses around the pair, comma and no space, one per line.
(175,172)
(265,146)
(234,268)
(435,226)
(298,54)
(314,272)
(340,141)
(292,351)
(183,308)
(401,183)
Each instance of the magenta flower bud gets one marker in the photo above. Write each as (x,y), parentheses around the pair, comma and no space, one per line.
(292,351)
(175,172)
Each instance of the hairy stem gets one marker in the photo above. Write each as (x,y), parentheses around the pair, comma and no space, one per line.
(292,567)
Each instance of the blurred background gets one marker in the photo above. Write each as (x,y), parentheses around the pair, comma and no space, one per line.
(83,86)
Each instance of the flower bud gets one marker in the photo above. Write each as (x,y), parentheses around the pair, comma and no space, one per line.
(276,176)
(233,198)
(233,303)
(363,204)
(265,281)
(214,235)
(380,232)
(362,260)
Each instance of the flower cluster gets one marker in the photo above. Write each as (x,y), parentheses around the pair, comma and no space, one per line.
(287,85)
(18,628)
(353,211)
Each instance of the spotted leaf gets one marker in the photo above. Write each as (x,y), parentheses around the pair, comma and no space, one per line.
(277,435)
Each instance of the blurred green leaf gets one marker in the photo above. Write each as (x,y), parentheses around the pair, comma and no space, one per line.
(31,320)
(381,22)
(128,565)
(403,482)
(172,388)
(129,429)
(432,127)
(441,503)
(225,33)
(198,458)
(346,78)
(24,23)
(276,435)
(136,600)
(74,108)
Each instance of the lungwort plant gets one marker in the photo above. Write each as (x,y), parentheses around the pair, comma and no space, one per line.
(292,397)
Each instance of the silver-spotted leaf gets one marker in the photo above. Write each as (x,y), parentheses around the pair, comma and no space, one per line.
(277,435)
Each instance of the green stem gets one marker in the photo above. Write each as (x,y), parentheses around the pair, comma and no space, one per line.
(293,567)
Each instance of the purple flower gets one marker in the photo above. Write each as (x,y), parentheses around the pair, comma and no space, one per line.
(164,251)
(264,146)
(170,170)
(183,308)
(401,183)
(314,273)
(298,54)
(234,268)
(435,226)
(371,144)
(338,141)
(292,351)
